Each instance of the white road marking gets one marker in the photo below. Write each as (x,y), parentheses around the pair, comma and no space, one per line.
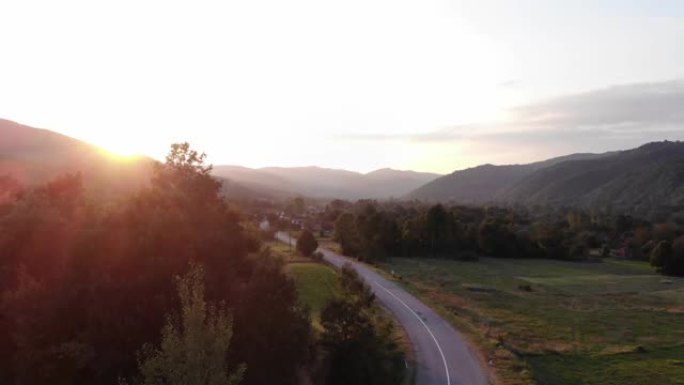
(439,348)
(446,367)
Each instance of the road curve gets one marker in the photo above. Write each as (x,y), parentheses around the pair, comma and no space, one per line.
(442,356)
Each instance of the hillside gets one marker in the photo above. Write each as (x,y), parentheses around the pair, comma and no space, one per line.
(484,183)
(320,182)
(639,180)
(34,156)
(648,180)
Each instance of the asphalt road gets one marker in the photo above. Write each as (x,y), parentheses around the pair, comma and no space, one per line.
(441,354)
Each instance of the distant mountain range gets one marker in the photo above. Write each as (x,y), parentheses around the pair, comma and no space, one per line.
(36,156)
(637,180)
(317,182)
(644,179)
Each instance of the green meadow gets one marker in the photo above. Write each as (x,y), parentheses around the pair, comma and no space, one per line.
(316,284)
(560,323)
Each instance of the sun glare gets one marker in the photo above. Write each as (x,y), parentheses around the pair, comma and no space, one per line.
(120,152)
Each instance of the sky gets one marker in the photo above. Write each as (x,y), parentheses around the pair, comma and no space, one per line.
(428,85)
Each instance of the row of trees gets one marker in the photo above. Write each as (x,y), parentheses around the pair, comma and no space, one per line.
(370,231)
(85,284)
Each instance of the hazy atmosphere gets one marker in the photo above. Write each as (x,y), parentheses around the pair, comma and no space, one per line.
(311,192)
(423,85)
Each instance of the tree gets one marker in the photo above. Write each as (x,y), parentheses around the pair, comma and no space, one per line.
(360,341)
(437,223)
(496,239)
(195,352)
(84,285)
(306,243)
(185,177)
(660,254)
(346,234)
(668,257)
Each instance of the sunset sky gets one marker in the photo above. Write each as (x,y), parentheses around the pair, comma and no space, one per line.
(427,85)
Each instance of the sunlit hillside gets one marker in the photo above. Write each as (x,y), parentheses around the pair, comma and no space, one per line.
(34,156)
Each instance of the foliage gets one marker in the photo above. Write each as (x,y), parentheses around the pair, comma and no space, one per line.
(345,234)
(306,243)
(362,349)
(84,283)
(195,352)
(373,231)
(668,257)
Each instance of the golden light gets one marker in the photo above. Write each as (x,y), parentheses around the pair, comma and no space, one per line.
(120,149)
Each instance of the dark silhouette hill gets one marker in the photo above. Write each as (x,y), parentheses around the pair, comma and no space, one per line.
(321,182)
(484,183)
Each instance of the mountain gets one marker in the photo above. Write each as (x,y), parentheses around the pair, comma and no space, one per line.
(317,182)
(639,180)
(387,182)
(484,183)
(642,180)
(34,156)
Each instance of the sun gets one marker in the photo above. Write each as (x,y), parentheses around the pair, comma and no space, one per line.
(123,150)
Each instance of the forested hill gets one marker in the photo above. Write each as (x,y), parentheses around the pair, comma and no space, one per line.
(644,180)
(483,184)
(33,156)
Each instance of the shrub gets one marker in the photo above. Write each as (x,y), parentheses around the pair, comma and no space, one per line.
(306,244)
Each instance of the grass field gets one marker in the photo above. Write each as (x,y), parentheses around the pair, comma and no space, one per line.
(316,284)
(560,323)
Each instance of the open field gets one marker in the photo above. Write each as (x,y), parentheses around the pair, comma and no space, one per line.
(560,322)
(316,284)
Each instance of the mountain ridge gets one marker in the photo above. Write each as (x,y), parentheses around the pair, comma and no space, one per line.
(645,179)
(321,182)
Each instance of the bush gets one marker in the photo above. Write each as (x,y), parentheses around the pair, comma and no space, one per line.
(306,244)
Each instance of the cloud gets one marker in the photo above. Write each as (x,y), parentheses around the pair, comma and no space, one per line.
(624,115)
(645,105)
